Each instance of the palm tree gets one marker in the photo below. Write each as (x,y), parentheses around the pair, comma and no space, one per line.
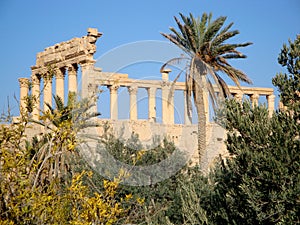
(203,41)
(57,147)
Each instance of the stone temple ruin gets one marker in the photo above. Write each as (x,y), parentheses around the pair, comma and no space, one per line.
(67,57)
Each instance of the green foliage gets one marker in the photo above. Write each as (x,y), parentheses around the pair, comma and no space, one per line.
(205,43)
(42,180)
(289,84)
(259,183)
(162,199)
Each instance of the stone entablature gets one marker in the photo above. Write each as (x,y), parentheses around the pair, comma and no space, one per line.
(57,61)
(117,80)
(74,51)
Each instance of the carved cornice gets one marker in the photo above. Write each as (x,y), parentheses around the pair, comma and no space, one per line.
(75,50)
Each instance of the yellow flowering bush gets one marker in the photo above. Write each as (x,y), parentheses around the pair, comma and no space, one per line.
(41,182)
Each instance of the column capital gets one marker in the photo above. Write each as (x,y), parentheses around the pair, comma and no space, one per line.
(24,82)
(271,97)
(86,64)
(151,89)
(254,96)
(72,68)
(113,87)
(238,96)
(60,73)
(35,79)
(48,77)
(132,90)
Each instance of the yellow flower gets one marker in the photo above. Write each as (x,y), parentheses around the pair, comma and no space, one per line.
(140,201)
(127,197)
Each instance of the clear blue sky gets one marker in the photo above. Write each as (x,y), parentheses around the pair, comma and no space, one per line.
(27,27)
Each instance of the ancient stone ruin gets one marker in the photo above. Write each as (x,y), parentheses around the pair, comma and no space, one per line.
(66,58)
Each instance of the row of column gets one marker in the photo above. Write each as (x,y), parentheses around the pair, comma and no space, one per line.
(167,97)
(167,106)
(167,102)
(59,75)
(254,100)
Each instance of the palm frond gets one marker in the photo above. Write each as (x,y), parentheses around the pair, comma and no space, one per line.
(191,39)
(213,29)
(182,29)
(212,95)
(172,88)
(234,56)
(58,102)
(49,107)
(222,37)
(188,95)
(173,61)
(226,29)
(178,42)
(223,87)
(221,84)
(202,28)
(195,29)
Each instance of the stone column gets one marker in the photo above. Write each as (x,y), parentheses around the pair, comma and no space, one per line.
(60,76)
(133,102)
(167,104)
(86,69)
(238,96)
(92,94)
(165,74)
(151,104)
(170,105)
(47,91)
(187,119)
(24,87)
(271,104)
(254,99)
(35,79)
(72,75)
(113,102)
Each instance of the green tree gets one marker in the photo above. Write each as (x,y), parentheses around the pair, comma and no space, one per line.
(260,182)
(204,42)
(289,84)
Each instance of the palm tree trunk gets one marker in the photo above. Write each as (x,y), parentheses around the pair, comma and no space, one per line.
(200,106)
